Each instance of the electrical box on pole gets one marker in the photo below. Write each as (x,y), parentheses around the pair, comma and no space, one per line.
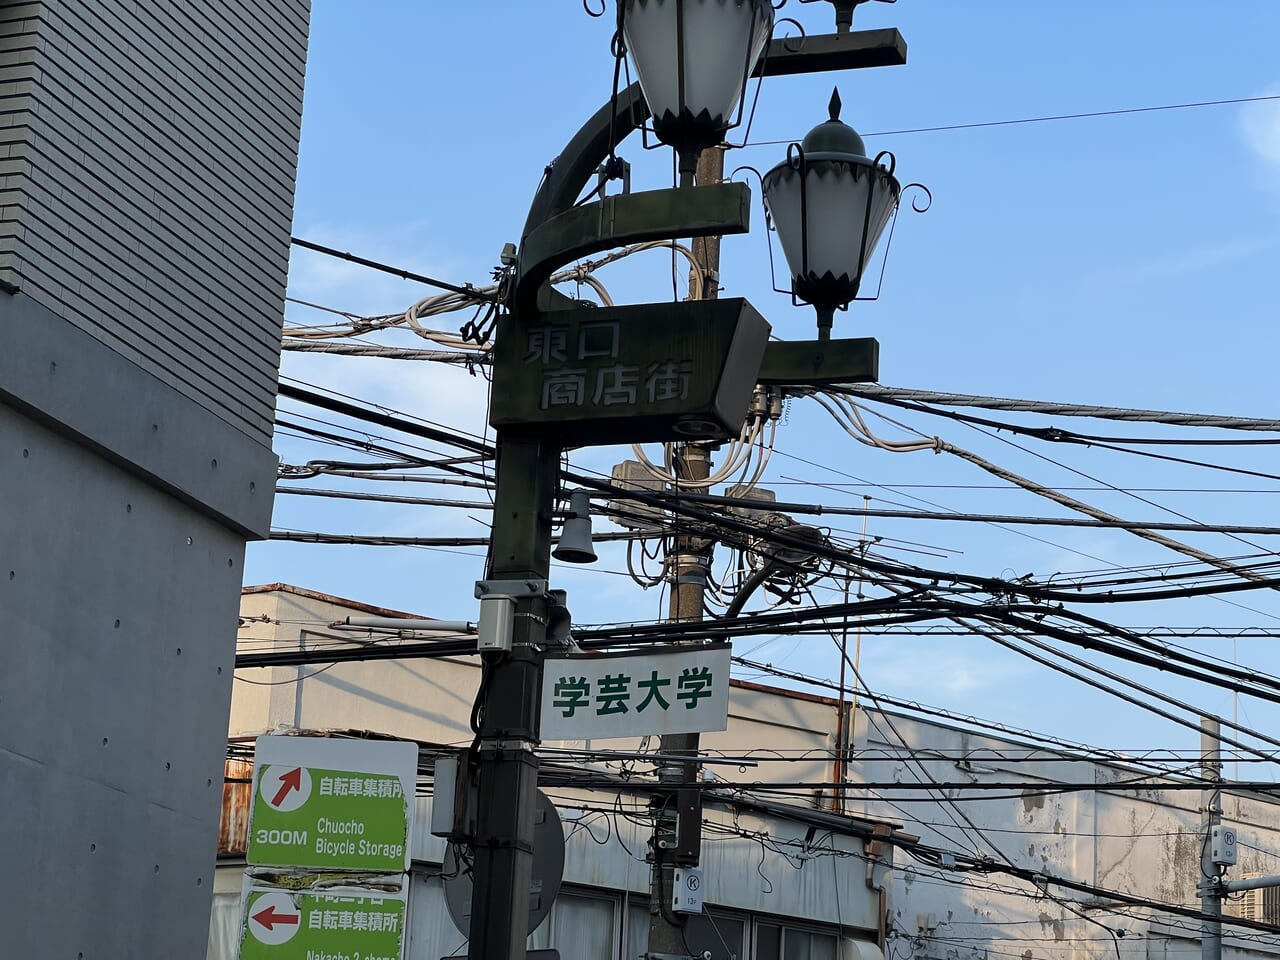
(686,890)
(1222,846)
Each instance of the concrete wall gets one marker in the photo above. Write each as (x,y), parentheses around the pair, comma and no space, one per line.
(146,176)
(118,608)
(148,183)
(1145,843)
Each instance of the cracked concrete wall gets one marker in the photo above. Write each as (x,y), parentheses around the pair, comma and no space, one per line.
(1145,843)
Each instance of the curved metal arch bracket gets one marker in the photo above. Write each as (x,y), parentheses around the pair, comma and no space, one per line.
(569,174)
(711,210)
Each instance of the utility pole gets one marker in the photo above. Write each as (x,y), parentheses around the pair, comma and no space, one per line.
(1210,816)
(1219,849)
(677,834)
(510,698)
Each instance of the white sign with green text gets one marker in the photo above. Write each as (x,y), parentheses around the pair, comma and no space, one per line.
(324,803)
(681,689)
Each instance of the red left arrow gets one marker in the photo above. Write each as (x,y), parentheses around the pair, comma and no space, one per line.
(269,918)
(288,783)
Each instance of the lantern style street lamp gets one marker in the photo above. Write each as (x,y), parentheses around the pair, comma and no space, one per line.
(830,204)
(693,59)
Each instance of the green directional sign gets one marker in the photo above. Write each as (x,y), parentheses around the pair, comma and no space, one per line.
(332,804)
(284,925)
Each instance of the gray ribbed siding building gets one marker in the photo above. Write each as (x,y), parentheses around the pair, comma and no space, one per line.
(147,159)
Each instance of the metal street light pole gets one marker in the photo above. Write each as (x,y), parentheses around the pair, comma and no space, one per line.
(558,230)
(509,698)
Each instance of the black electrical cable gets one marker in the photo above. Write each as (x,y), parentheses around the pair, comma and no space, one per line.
(1092,114)
(1053,434)
(467,291)
(1118,694)
(775,537)
(778,537)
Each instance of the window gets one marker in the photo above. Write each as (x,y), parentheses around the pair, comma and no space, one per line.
(581,927)
(777,942)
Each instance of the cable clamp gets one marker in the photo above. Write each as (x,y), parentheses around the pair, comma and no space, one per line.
(510,588)
(507,745)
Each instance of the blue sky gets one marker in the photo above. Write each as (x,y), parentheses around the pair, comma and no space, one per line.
(1126,261)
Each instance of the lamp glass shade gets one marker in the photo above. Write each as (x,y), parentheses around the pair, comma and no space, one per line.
(829,214)
(693,58)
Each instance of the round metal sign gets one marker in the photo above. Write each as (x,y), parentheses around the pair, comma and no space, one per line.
(548,870)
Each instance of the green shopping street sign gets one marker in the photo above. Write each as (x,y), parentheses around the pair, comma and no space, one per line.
(657,371)
(325,804)
(284,925)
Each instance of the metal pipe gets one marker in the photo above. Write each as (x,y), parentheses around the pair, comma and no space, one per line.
(1255,883)
(395,623)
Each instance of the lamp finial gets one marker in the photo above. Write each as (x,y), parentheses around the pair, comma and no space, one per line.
(833,108)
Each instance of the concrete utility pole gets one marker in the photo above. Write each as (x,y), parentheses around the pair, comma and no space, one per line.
(1210,817)
(1220,846)
(677,826)
(677,834)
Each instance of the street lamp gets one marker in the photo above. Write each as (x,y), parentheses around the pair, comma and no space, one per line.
(693,58)
(830,204)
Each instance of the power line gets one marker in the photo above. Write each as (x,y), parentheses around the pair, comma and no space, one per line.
(818,509)
(1050,118)
(382,498)
(1060,435)
(376,540)
(869,391)
(396,418)
(393,423)
(391,540)
(1051,743)
(981,790)
(467,290)
(675,505)
(459,357)
(999,487)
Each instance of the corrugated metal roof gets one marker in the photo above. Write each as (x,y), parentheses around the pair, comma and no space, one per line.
(237,792)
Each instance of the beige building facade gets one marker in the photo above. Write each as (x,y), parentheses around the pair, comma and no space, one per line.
(963,872)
